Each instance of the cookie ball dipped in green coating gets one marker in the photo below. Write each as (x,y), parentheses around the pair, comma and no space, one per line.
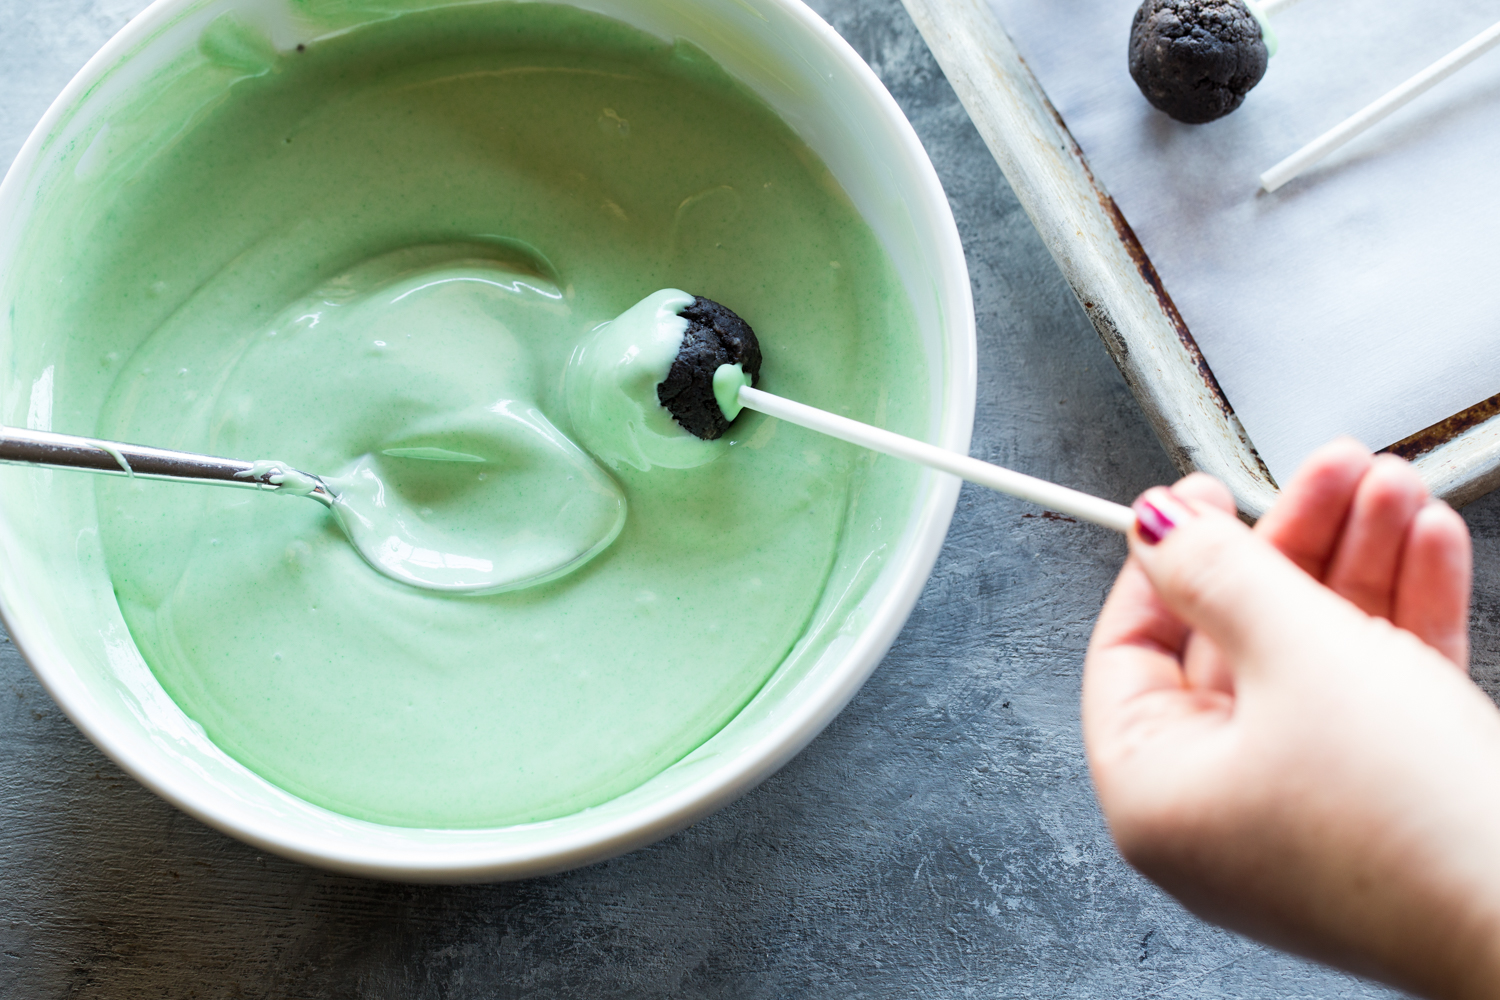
(715,337)
(1196,59)
(658,385)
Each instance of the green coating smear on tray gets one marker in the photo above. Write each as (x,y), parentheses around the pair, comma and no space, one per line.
(529,172)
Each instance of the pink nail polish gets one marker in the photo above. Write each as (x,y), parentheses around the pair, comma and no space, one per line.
(1157,512)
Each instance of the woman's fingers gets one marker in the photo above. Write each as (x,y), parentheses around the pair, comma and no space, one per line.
(1134,671)
(1205,489)
(1188,610)
(1363,525)
(1203,665)
(1368,556)
(1136,644)
(1226,582)
(1310,514)
(1134,692)
(1134,668)
(1432,589)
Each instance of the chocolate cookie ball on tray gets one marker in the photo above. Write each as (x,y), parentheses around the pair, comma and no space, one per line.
(1196,59)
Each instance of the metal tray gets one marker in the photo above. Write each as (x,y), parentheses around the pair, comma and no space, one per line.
(1458,458)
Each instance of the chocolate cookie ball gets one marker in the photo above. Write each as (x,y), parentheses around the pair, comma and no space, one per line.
(715,336)
(1196,59)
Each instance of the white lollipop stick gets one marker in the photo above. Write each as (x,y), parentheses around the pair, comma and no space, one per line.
(1037,491)
(1376,112)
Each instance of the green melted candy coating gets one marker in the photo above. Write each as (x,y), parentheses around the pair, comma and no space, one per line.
(728,381)
(374,258)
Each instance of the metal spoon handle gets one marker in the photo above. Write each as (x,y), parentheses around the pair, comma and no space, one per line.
(112,458)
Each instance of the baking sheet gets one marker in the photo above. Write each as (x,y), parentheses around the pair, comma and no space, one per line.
(1363,297)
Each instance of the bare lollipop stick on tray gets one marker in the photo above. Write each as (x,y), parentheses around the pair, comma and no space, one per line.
(1381,109)
(706,393)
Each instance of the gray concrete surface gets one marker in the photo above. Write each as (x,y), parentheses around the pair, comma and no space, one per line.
(939,840)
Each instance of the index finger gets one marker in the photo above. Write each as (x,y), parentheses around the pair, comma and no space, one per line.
(1138,644)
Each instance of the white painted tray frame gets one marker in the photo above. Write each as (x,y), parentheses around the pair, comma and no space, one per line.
(1109,272)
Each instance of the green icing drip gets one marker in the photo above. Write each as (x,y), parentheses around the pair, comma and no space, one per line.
(225,255)
(291,482)
(117,455)
(728,380)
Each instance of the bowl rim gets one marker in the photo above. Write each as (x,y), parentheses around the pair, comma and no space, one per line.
(718,786)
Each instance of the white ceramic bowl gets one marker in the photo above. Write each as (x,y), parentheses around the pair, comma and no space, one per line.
(58,604)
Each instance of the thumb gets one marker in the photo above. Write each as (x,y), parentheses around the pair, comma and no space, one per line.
(1227,582)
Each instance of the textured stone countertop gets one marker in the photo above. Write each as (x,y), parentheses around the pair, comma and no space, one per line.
(939,840)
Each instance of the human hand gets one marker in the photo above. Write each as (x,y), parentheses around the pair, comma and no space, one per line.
(1281,727)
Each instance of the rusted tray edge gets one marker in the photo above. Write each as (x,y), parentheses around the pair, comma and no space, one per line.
(1114,280)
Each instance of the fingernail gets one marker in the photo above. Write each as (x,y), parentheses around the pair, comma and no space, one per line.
(1157,512)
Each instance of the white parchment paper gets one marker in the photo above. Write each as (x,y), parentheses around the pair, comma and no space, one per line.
(1363,297)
